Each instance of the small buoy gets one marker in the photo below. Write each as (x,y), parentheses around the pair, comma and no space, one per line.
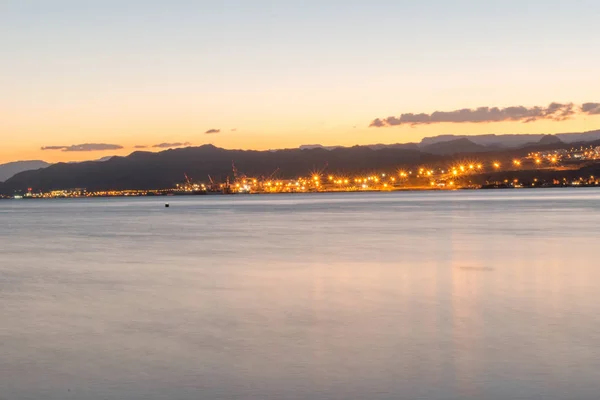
(167,205)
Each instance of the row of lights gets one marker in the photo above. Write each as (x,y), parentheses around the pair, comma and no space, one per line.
(302,183)
(428,173)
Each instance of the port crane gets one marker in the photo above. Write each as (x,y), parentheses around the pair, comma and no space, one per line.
(213,185)
(235,171)
(188,181)
(272,175)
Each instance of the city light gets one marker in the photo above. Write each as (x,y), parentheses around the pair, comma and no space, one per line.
(438,176)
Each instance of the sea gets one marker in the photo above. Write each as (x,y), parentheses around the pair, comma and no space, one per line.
(482,295)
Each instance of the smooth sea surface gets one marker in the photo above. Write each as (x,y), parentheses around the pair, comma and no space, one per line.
(425,295)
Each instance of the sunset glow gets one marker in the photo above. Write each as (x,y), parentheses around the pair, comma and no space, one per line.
(255,77)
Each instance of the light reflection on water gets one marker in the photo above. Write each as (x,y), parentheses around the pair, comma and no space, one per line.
(463,295)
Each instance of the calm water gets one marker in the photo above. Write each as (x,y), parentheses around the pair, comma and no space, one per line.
(470,295)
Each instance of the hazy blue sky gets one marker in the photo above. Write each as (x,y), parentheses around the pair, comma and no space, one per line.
(282,73)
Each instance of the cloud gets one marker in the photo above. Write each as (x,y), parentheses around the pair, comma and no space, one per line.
(213,131)
(553,112)
(140,146)
(85,147)
(54,147)
(377,123)
(591,108)
(169,145)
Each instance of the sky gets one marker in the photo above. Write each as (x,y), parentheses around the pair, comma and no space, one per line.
(84,79)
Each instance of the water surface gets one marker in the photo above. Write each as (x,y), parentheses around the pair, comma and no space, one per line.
(443,296)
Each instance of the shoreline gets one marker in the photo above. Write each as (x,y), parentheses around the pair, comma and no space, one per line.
(399,190)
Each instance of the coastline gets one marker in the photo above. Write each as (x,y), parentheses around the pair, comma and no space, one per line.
(395,190)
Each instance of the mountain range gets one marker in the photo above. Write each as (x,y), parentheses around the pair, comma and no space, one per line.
(483,142)
(148,170)
(508,141)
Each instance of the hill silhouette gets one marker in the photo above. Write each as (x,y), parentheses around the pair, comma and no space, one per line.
(506,141)
(146,170)
(456,146)
(550,139)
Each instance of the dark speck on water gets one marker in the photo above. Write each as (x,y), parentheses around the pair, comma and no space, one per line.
(302,297)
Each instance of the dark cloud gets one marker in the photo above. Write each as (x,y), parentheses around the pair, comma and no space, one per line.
(85,147)
(140,146)
(54,147)
(169,145)
(377,123)
(554,112)
(591,108)
(213,131)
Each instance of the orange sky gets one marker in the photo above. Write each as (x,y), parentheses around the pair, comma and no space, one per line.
(326,134)
(282,74)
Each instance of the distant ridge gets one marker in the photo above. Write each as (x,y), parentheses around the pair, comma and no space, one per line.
(550,139)
(407,146)
(317,146)
(484,142)
(456,146)
(513,140)
(379,146)
(8,170)
(98,160)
